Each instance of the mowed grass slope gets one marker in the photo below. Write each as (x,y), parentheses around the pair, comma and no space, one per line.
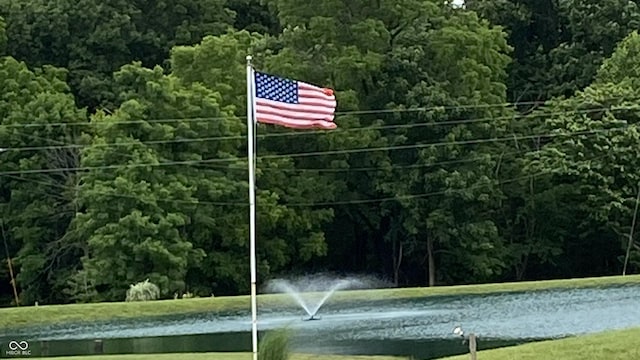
(49,314)
(215,356)
(614,345)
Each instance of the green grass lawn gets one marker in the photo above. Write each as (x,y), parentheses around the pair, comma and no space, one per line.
(214,356)
(30,315)
(613,345)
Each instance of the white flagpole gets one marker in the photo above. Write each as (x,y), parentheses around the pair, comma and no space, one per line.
(252,204)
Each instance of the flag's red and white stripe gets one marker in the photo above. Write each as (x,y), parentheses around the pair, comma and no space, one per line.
(315,109)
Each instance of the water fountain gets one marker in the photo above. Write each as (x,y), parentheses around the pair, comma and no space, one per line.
(416,326)
(314,284)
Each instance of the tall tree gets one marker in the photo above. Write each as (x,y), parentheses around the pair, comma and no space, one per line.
(342,44)
(92,39)
(558,48)
(448,205)
(558,45)
(3,36)
(158,189)
(393,57)
(596,149)
(37,188)
(288,236)
(254,16)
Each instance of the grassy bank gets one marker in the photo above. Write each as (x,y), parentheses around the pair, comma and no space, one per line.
(214,356)
(614,345)
(29,315)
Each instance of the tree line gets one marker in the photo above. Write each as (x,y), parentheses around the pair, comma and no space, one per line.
(485,143)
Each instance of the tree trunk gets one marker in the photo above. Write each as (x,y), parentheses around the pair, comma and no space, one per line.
(431,262)
(630,244)
(530,232)
(397,261)
(522,267)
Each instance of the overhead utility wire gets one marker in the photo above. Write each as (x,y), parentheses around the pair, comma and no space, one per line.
(422,195)
(242,164)
(317,153)
(388,166)
(236,137)
(345,202)
(114,194)
(438,144)
(339,113)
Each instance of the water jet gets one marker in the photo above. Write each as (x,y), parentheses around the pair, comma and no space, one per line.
(322,285)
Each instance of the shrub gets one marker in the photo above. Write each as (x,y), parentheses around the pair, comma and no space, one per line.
(143,291)
(275,346)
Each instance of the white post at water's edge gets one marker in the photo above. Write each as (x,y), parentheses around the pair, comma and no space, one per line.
(252,203)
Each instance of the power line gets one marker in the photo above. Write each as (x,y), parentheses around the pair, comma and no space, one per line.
(111,167)
(317,153)
(131,143)
(422,195)
(351,169)
(428,124)
(444,107)
(389,166)
(403,197)
(336,203)
(339,113)
(295,133)
(437,144)
(174,201)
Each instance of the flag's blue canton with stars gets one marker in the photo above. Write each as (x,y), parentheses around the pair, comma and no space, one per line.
(276,89)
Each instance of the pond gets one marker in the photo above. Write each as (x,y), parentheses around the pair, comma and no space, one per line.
(419,327)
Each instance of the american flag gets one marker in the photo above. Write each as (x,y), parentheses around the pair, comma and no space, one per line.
(293,104)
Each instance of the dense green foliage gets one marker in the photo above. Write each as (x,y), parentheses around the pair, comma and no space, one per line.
(488,143)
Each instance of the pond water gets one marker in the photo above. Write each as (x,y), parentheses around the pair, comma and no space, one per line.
(419,327)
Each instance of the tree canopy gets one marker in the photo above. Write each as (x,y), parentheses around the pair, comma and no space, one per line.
(488,143)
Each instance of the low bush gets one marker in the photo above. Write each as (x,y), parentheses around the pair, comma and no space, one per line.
(143,291)
(275,346)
